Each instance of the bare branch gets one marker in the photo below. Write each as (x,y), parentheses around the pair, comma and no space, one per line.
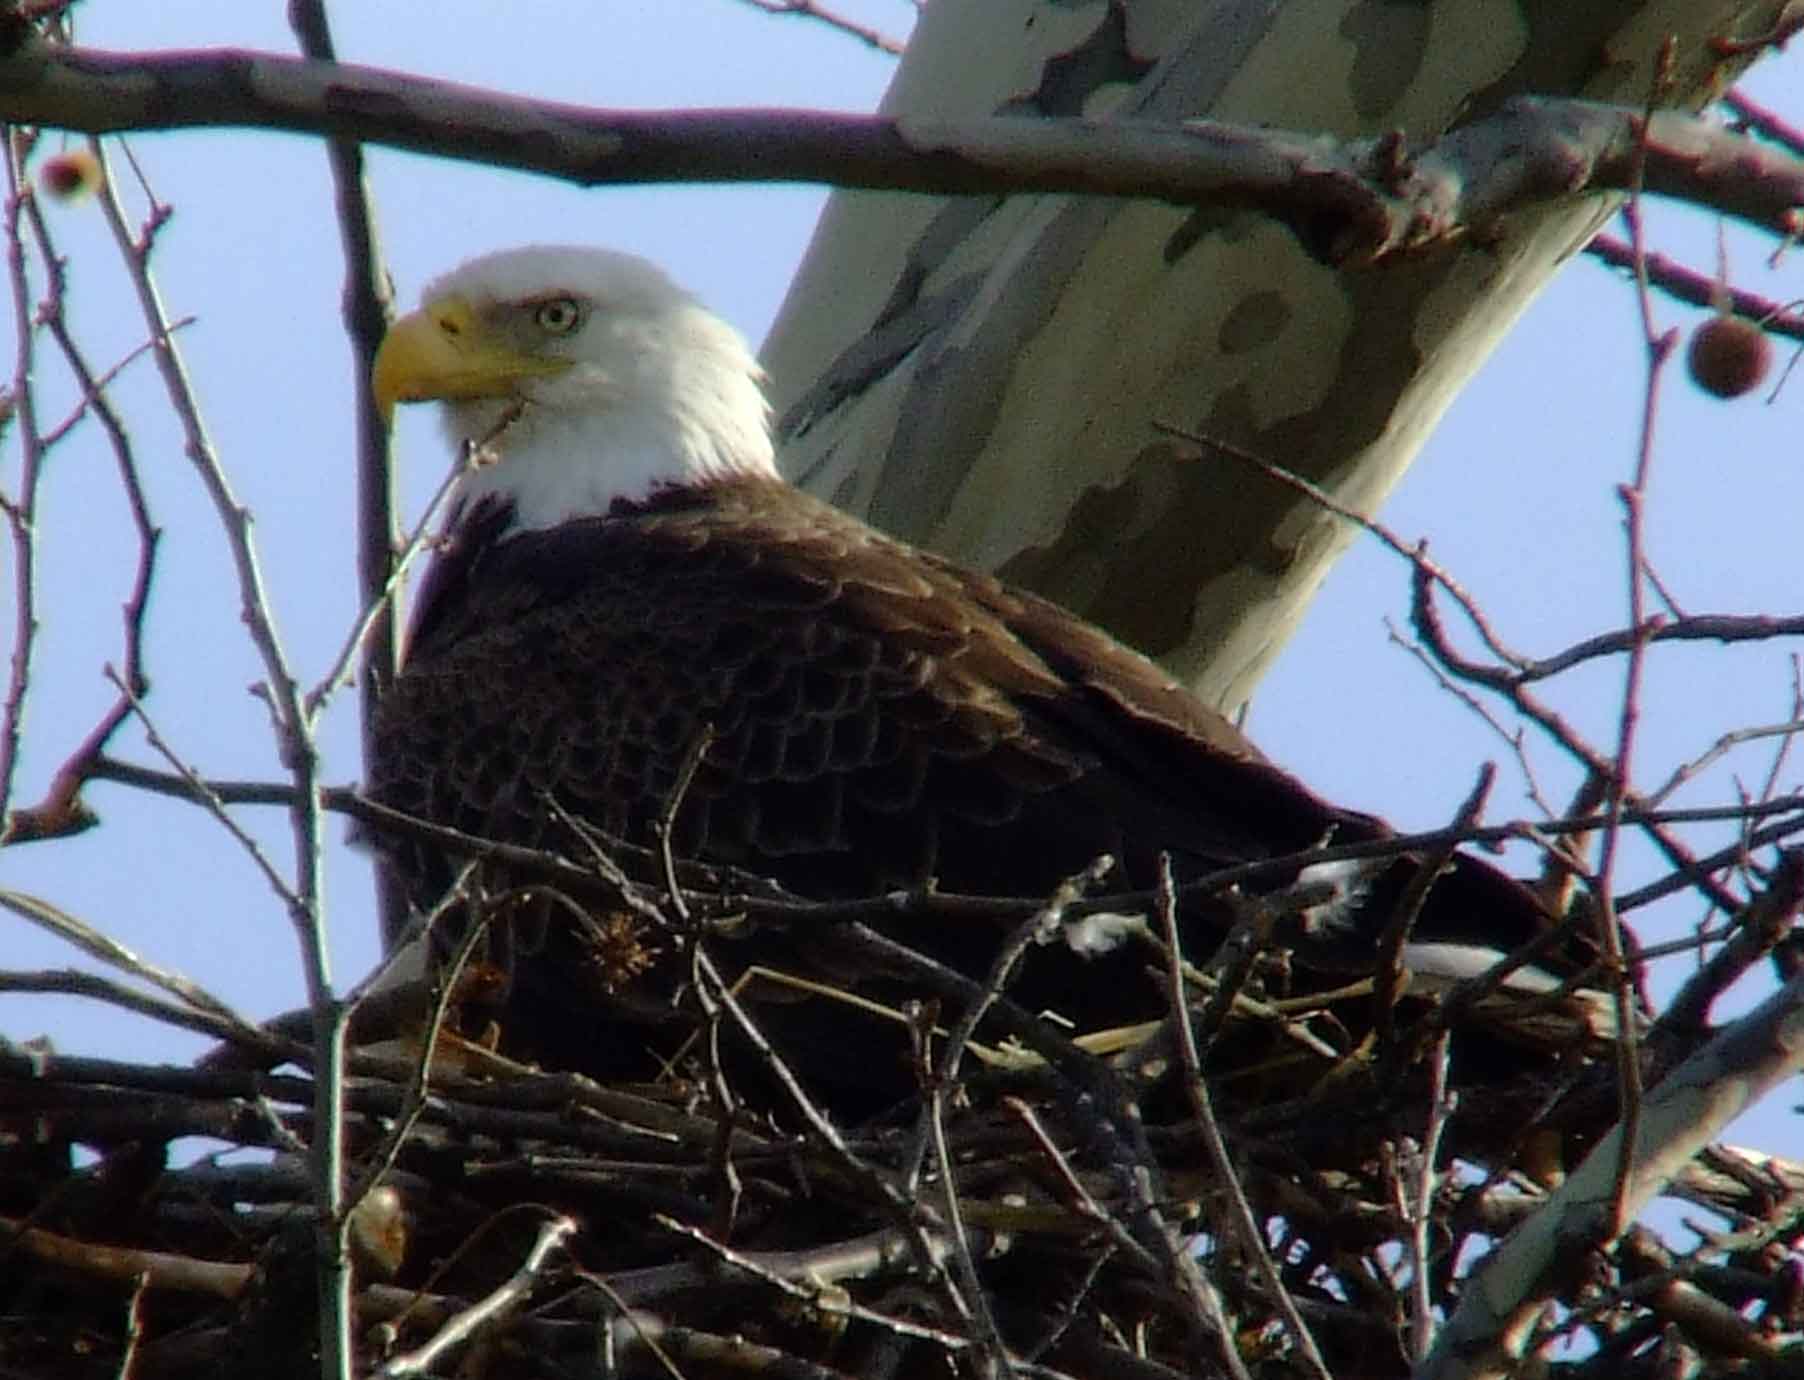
(1617,784)
(1241,1221)
(1699,289)
(1769,124)
(21,510)
(110,951)
(368,307)
(497,1305)
(845,24)
(187,1016)
(295,745)
(1353,203)
(154,1269)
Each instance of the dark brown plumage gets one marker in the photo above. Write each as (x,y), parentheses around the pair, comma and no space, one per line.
(630,573)
(881,719)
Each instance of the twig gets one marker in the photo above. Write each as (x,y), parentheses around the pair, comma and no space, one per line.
(367,307)
(1416,554)
(1102,1106)
(367,631)
(1723,745)
(716,995)
(1077,1196)
(1761,925)
(1764,122)
(63,806)
(76,983)
(771,1272)
(140,1268)
(1685,284)
(813,9)
(134,1327)
(1428,626)
(1511,682)
(1391,974)
(1515,740)
(754,899)
(298,752)
(1659,346)
(209,801)
(972,1298)
(491,1308)
(1770,787)
(110,951)
(1227,1177)
(1230,966)
(378,1164)
(1417,1206)
(1731,856)
(1035,928)
(94,386)
(21,512)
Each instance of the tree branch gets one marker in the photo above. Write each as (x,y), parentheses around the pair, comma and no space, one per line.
(1350,201)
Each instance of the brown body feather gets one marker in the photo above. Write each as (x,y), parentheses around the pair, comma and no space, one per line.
(880,718)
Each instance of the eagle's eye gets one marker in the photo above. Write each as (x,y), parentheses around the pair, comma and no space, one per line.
(558,316)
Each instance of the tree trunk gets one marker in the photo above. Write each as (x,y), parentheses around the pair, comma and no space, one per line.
(982,375)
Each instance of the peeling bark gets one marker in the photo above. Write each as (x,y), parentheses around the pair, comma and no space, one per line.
(995,364)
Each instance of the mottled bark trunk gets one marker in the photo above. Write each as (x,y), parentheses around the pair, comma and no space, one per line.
(982,375)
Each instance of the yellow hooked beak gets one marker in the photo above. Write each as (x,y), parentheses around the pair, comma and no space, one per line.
(445,352)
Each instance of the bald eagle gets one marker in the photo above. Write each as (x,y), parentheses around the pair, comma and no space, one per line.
(628,577)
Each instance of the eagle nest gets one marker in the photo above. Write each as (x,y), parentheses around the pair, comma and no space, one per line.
(1264,1178)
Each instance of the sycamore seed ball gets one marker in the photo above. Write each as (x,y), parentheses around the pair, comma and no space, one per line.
(69,176)
(1728,356)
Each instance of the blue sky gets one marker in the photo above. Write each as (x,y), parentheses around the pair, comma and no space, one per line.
(1516,490)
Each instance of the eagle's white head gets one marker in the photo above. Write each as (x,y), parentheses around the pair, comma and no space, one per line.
(587,373)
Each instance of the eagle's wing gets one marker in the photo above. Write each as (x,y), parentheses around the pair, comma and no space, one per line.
(877,717)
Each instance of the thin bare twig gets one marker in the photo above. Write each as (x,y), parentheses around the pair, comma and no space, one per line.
(1719,749)
(62,809)
(492,1307)
(1392,973)
(209,801)
(108,950)
(867,34)
(378,1164)
(94,386)
(368,306)
(1511,682)
(1243,1223)
(1417,1203)
(298,752)
(812,1294)
(1659,347)
(1788,810)
(1515,739)
(366,632)
(20,511)
(199,1019)
(1498,1307)
(931,1126)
